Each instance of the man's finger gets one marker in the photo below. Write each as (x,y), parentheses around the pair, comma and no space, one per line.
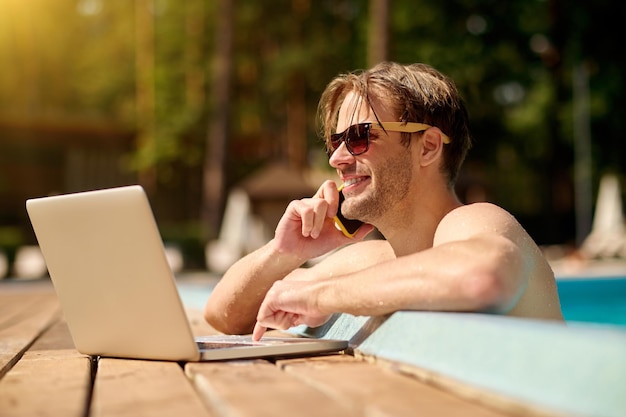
(258,332)
(325,189)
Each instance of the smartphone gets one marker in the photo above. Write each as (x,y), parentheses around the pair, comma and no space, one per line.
(347,226)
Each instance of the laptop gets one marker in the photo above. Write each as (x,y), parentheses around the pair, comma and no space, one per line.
(117,292)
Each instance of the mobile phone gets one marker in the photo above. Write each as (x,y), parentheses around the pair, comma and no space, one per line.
(348,227)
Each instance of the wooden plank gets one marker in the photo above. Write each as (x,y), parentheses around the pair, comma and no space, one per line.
(143,388)
(48,381)
(376,390)
(258,388)
(46,385)
(14,305)
(199,327)
(24,318)
(56,338)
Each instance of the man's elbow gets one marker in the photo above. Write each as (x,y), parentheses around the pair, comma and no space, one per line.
(498,278)
(220,319)
(492,290)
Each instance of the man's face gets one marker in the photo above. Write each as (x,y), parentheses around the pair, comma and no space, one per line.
(377,180)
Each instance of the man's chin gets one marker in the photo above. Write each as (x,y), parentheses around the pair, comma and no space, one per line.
(353,213)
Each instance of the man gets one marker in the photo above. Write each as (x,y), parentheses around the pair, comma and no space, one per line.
(397,136)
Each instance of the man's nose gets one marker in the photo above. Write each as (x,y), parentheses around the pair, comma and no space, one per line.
(341,156)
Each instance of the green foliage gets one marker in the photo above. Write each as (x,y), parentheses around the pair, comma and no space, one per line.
(512,61)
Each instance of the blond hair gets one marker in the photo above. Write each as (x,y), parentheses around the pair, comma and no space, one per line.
(414,93)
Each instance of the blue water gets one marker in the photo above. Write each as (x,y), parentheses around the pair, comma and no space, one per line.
(194,295)
(594,300)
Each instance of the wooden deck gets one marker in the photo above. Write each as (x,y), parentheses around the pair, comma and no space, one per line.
(42,374)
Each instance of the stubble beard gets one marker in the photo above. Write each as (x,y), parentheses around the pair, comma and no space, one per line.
(390,185)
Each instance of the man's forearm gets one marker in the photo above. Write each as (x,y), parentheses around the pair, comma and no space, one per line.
(235,300)
(460,276)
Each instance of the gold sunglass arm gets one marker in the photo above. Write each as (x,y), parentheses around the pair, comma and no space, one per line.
(408,127)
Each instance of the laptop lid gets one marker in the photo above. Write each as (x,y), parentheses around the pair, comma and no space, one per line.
(108,266)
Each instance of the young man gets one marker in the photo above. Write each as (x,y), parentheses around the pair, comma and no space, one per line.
(397,136)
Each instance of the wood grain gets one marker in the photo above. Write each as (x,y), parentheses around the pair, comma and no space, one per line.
(374,390)
(260,389)
(23,318)
(137,388)
(50,379)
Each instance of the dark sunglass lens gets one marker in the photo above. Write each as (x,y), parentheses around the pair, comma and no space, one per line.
(335,141)
(358,138)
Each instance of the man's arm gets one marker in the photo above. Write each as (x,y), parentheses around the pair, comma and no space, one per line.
(484,273)
(235,300)
(481,260)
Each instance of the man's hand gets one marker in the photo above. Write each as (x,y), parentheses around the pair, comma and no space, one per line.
(307,228)
(305,231)
(289,303)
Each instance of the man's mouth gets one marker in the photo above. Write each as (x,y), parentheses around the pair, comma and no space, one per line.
(352,181)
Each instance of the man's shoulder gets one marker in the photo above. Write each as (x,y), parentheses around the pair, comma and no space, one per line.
(479,207)
(476,218)
(479,212)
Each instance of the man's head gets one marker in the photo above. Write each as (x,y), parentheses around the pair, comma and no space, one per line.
(412,93)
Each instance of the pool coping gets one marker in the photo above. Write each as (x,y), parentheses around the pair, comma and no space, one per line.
(548,367)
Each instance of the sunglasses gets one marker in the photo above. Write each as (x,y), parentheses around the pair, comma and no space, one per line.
(357,137)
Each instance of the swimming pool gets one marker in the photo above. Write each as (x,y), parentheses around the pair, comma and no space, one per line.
(594,300)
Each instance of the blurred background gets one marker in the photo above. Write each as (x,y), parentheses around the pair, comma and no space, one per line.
(210,105)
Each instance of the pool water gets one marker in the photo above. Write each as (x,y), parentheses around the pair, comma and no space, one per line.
(594,300)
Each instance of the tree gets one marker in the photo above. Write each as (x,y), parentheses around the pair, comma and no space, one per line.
(218,131)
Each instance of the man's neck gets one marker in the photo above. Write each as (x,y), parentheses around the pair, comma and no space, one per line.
(410,226)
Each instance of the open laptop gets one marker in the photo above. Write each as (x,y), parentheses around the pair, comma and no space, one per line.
(108,266)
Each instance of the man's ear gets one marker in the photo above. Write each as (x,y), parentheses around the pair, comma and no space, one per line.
(432,146)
